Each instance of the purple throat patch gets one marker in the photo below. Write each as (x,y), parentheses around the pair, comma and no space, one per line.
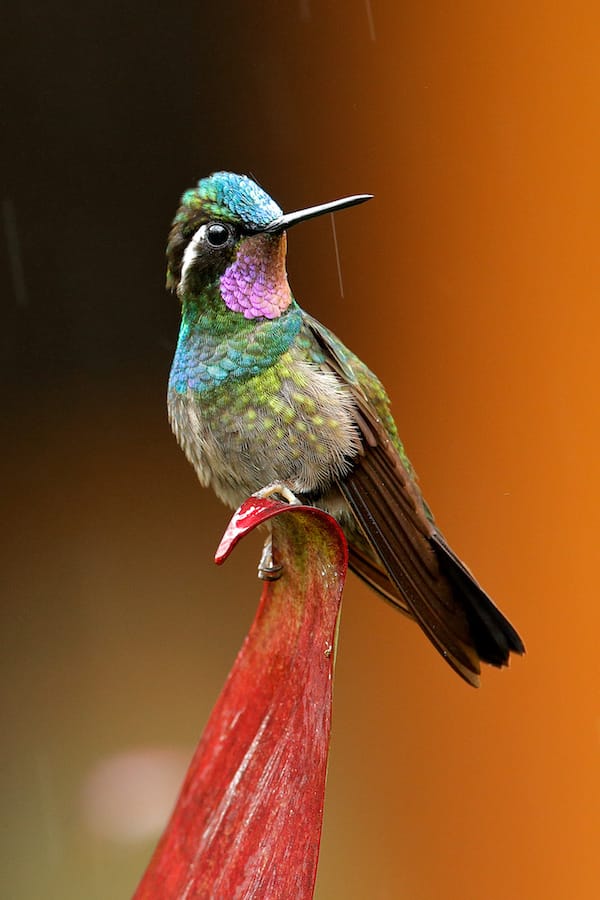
(256,284)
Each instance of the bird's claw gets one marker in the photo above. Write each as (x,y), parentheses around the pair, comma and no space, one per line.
(268,569)
(278,489)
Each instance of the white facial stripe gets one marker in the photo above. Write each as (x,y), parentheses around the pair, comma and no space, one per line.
(190,256)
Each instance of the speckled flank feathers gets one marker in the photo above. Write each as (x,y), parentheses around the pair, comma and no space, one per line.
(292,422)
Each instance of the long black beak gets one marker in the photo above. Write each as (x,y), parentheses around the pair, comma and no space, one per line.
(281,223)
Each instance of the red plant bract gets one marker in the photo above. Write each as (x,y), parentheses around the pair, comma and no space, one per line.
(247,823)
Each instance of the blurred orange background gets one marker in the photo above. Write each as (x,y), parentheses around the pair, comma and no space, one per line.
(470,284)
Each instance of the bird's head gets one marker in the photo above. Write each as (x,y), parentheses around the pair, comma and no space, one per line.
(229,234)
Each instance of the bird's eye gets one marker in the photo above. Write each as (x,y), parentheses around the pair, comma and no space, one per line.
(217,235)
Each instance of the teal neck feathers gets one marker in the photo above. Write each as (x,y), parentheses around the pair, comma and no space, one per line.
(218,347)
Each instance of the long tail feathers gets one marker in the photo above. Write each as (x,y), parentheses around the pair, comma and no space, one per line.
(494,638)
(419,573)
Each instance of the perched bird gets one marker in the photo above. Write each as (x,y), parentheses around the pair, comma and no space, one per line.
(260,392)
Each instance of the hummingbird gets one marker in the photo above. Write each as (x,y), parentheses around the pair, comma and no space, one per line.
(262,393)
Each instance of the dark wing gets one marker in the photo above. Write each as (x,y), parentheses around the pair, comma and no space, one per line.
(417,569)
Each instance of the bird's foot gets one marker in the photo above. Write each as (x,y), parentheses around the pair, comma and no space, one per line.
(278,489)
(268,569)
